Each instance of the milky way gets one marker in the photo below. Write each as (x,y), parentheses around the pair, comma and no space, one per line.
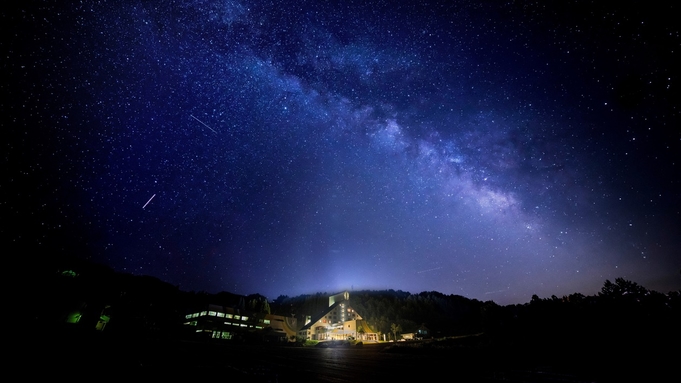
(487,149)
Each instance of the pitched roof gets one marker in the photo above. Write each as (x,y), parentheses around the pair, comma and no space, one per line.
(320,316)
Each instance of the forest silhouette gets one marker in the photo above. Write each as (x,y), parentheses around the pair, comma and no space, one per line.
(622,330)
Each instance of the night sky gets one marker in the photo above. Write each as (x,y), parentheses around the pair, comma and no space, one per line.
(489,149)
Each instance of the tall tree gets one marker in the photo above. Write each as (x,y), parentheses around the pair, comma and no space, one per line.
(395,328)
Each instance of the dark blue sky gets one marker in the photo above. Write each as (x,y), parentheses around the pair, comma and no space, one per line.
(493,150)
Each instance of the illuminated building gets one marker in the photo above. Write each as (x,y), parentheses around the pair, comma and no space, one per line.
(220,322)
(338,322)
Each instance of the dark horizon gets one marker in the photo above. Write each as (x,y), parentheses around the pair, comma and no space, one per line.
(90,270)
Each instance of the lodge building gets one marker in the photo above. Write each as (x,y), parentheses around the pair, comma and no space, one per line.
(221,322)
(338,322)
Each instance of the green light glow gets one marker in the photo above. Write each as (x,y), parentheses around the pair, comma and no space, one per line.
(74,317)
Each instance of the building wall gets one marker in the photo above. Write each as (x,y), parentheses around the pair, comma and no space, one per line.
(224,322)
(339,323)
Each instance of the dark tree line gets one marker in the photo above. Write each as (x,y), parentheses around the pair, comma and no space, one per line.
(623,314)
(624,320)
(80,294)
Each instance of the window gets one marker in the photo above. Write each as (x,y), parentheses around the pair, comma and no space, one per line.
(221,315)
(203,313)
(212,313)
(244,318)
(228,316)
(267,321)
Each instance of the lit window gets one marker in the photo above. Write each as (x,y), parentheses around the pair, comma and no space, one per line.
(244,325)
(244,318)
(212,313)
(221,315)
(237,317)
(188,316)
(267,321)
(195,315)
(203,313)
(228,316)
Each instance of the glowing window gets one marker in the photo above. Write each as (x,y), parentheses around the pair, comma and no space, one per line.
(203,313)
(221,315)
(237,317)
(244,318)
(267,321)
(212,313)
(228,316)
(188,316)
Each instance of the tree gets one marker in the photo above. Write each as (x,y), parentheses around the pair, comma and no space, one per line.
(395,328)
(622,288)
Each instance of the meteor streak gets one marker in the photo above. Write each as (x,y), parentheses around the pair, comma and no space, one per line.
(201,122)
(152,197)
(425,271)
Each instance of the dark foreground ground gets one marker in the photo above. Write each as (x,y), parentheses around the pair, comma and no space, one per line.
(466,360)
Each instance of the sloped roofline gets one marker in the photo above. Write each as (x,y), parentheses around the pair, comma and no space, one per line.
(320,316)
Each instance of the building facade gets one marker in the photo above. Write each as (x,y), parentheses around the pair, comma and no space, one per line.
(220,322)
(338,322)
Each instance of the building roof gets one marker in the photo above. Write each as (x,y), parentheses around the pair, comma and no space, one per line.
(320,316)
